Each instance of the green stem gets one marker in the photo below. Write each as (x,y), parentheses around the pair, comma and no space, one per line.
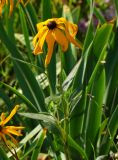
(66,113)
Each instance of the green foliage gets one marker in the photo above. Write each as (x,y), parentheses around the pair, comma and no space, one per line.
(70,108)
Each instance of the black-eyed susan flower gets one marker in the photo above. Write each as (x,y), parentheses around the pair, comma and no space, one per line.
(9,130)
(54,30)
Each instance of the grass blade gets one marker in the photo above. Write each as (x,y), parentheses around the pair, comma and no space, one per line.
(27,81)
(3,155)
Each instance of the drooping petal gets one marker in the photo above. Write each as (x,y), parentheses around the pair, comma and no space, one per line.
(72,40)
(15,127)
(2,3)
(61,21)
(0,9)
(11,6)
(6,1)
(61,39)
(50,42)
(72,28)
(2,117)
(37,49)
(12,131)
(40,25)
(13,112)
(41,36)
(35,39)
(61,27)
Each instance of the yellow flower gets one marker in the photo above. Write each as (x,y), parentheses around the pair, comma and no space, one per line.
(3,3)
(54,30)
(11,4)
(9,130)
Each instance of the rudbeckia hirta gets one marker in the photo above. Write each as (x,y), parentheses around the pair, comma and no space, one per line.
(54,30)
(9,130)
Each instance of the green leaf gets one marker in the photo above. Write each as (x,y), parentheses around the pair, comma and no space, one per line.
(76,14)
(77,117)
(116,6)
(98,52)
(101,38)
(46,9)
(3,155)
(46,117)
(70,56)
(89,37)
(111,74)
(6,99)
(99,15)
(19,95)
(31,17)
(97,78)
(32,14)
(76,146)
(27,81)
(68,81)
(51,69)
(80,74)
(25,33)
(112,128)
(26,139)
(94,111)
(81,71)
(38,145)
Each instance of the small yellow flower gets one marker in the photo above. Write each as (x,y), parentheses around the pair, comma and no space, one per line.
(3,3)
(9,130)
(11,3)
(54,30)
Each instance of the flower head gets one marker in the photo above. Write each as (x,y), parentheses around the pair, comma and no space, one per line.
(54,30)
(9,130)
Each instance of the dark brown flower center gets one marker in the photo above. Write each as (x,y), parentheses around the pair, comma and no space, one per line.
(51,25)
(0,128)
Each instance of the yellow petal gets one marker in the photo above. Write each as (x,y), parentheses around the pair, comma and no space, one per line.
(61,20)
(43,24)
(2,3)
(35,39)
(13,112)
(50,42)
(15,127)
(41,36)
(11,6)
(61,39)
(40,25)
(72,28)
(0,9)
(6,2)
(2,117)
(61,27)
(72,40)
(12,131)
